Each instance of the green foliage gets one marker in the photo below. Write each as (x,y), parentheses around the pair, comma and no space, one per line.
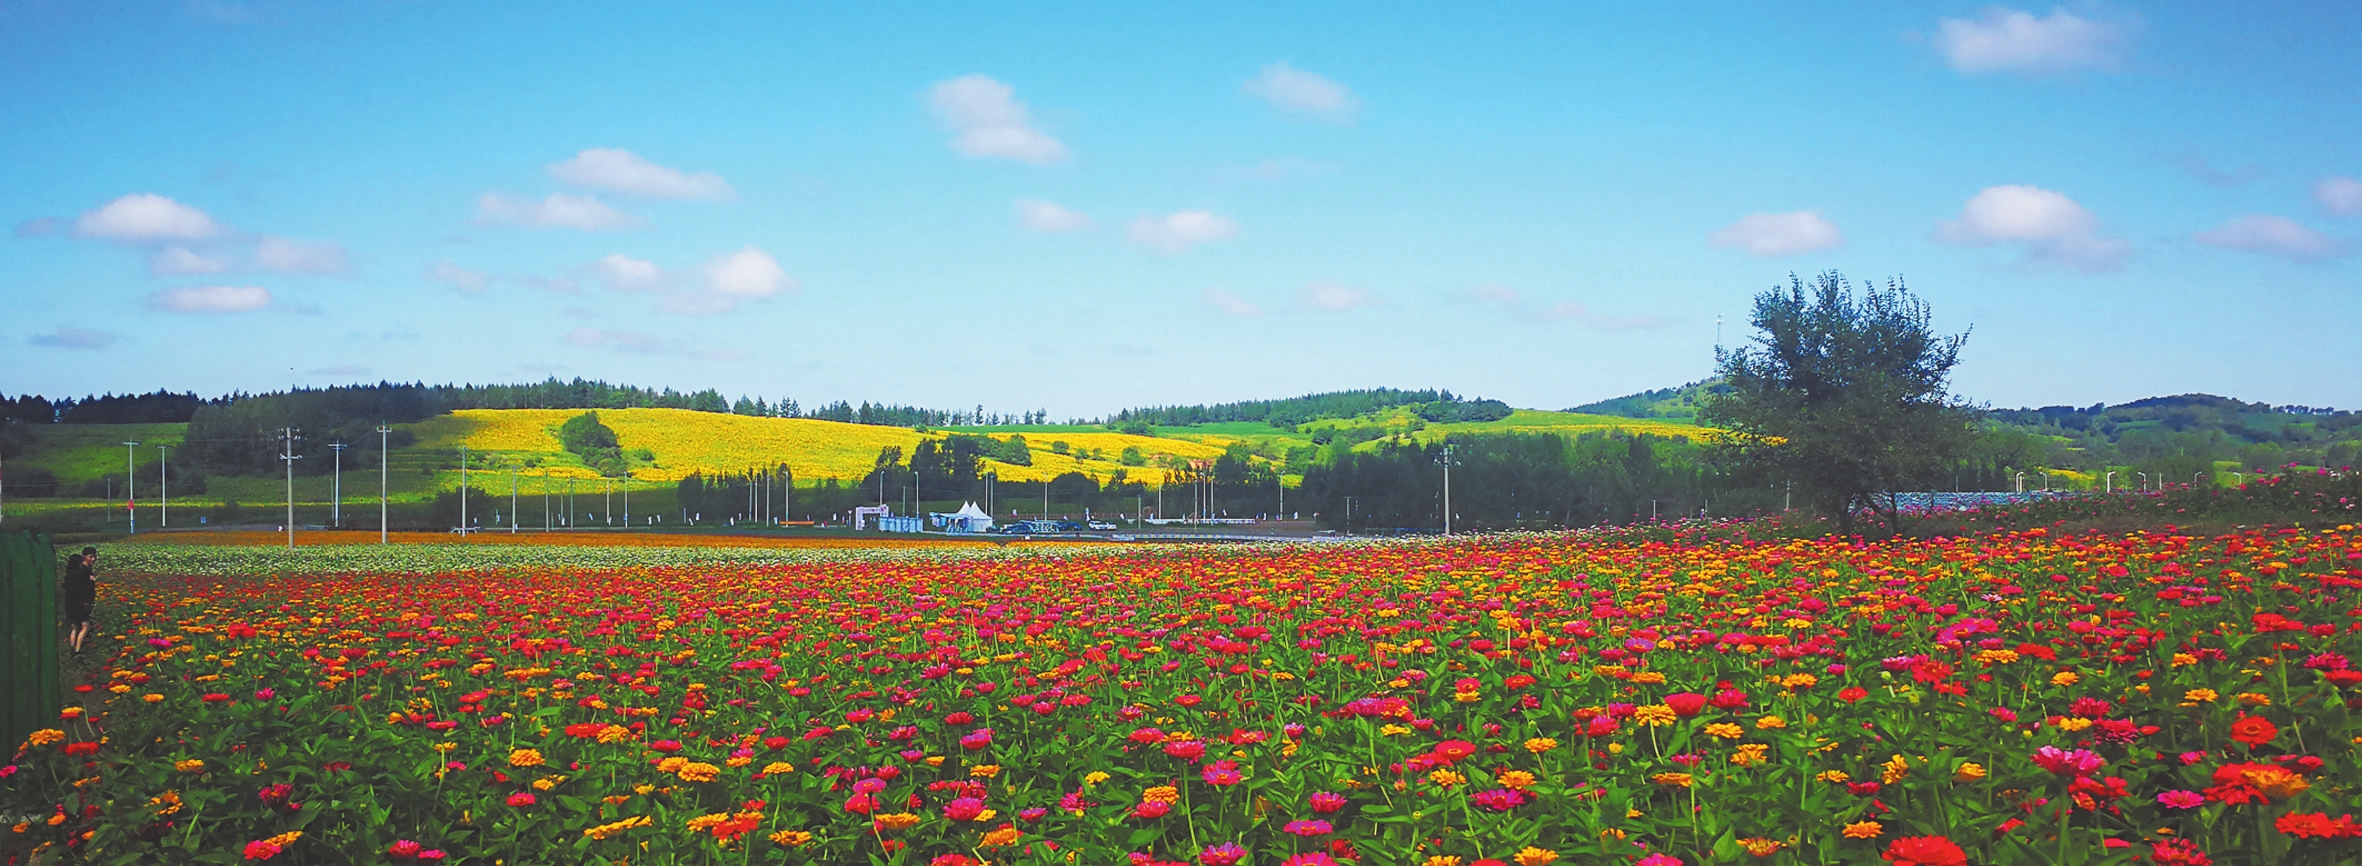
(1284,413)
(1843,397)
(595,443)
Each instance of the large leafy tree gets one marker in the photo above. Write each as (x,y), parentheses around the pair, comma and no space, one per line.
(1843,397)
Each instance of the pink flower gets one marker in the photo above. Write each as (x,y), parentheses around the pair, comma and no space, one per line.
(1224,854)
(2077,762)
(521,799)
(1308,828)
(1152,809)
(1222,774)
(403,850)
(1497,799)
(1327,802)
(261,850)
(2178,799)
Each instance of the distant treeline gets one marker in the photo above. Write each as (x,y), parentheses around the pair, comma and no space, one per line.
(1313,407)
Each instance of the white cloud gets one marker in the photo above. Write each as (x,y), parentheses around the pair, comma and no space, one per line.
(466,281)
(2341,195)
(70,337)
(2273,236)
(2001,39)
(211,299)
(557,210)
(1300,92)
(1336,297)
(276,253)
(2052,227)
(625,172)
(1232,305)
(987,121)
(1042,216)
(747,274)
(182,260)
(1780,234)
(624,273)
(146,217)
(1176,232)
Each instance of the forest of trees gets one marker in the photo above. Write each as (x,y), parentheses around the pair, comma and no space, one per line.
(1288,412)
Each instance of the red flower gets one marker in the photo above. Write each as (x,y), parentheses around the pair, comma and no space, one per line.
(1686,704)
(2254,730)
(1450,751)
(1925,851)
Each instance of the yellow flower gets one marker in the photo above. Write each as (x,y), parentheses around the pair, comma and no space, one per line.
(1750,754)
(1518,779)
(1648,678)
(1392,730)
(2072,724)
(1442,860)
(898,820)
(1672,780)
(2279,784)
(738,760)
(2064,678)
(2255,699)
(547,782)
(672,764)
(791,838)
(2195,697)
(1094,777)
(191,765)
(1834,776)
(1446,777)
(152,698)
(603,831)
(445,748)
(1770,722)
(1002,837)
(1799,681)
(1726,730)
(1161,794)
(613,734)
(1467,697)
(700,772)
(1653,715)
(2184,659)
(44,737)
(285,839)
(1864,830)
(1996,657)
(1759,846)
(1532,856)
(1893,770)
(1969,772)
(1539,745)
(934,760)
(525,758)
(702,822)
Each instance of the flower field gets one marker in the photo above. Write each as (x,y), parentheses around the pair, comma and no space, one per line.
(2016,698)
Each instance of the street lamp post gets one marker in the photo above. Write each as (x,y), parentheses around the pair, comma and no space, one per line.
(287,455)
(163,487)
(130,490)
(382,430)
(336,489)
(1447,462)
(463,493)
(2108,482)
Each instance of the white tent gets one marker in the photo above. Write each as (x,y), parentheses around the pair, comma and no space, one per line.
(968,519)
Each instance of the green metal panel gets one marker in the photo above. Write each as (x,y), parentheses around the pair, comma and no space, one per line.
(29,690)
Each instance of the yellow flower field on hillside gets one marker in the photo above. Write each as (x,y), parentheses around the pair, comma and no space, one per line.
(686,441)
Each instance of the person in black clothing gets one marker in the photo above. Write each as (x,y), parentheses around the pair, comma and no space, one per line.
(81,594)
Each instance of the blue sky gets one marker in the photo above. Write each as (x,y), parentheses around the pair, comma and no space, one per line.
(1092,206)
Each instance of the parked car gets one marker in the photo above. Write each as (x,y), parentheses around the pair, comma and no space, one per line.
(1102,526)
(1066,526)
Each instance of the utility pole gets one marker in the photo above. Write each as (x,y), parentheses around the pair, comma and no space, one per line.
(382,430)
(627,501)
(163,487)
(287,454)
(1349,515)
(607,511)
(336,489)
(512,500)
(130,490)
(463,493)
(1447,462)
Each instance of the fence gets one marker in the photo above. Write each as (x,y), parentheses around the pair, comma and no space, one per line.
(28,632)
